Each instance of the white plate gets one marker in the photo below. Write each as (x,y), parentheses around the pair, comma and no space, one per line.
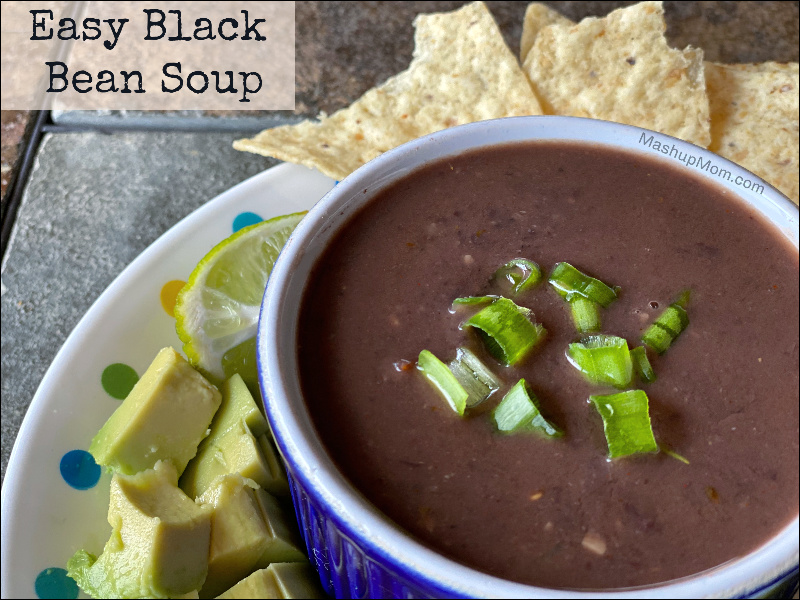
(45,520)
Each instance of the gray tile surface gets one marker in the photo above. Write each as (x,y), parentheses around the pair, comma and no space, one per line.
(93,203)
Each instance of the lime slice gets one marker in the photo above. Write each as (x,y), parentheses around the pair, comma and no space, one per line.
(216,313)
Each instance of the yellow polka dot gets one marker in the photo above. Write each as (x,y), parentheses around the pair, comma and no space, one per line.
(169,293)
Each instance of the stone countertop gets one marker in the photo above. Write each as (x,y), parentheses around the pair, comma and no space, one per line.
(94,200)
(345,48)
(14,124)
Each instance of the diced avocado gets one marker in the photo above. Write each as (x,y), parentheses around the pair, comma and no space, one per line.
(279,580)
(238,404)
(94,582)
(284,541)
(203,469)
(235,451)
(159,541)
(243,454)
(165,417)
(239,535)
(278,484)
(238,443)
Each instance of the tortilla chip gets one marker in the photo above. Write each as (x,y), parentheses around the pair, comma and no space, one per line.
(537,17)
(621,69)
(462,71)
(754,119)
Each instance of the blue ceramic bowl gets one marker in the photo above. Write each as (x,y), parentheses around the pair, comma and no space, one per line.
(360,553)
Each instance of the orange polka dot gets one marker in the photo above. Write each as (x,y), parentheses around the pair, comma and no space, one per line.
(169,294)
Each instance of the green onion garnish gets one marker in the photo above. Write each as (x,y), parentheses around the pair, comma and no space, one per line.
(642,364)
(521,273)
(666,328)
(519,411)
(474,377)
(437,373)
(684,298)
(585,314)
(604,359)
(675,455)
(626,422)
(506,330)
(472,300)
(569,283)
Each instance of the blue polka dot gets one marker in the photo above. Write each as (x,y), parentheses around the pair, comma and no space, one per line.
(54,583)
(79,469)
(245,219)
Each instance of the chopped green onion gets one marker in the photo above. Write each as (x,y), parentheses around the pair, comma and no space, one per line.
(585,314)
(571,283)
(684,298)
(519,411)
(474,377)
(506,330)
(658,338)
(626,422)
(465,383)
(675,455)
(472,300)
(604,359)
(437,373)
(521,273)
(666,328)
(642,365)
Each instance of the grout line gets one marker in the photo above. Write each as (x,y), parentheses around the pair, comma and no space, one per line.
(14,194)
(81,121)
(110,128)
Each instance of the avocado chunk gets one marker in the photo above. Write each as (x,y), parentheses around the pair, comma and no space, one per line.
(165,417)
(258,461)
(159,541)
(203,469)
(238,443)
(238,404)
(279,580)
(239,534)
(235,451)
(284,543)
(278,484)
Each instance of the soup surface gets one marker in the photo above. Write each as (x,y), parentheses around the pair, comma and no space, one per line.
(557,513)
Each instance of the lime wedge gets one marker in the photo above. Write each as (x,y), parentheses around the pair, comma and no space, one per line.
(216,313)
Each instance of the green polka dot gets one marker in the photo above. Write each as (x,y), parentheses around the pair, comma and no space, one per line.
(118,380)
(54,583)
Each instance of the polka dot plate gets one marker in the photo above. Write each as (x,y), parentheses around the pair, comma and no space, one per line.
(55,498)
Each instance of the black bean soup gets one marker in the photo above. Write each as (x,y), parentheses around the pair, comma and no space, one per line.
(557,512)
